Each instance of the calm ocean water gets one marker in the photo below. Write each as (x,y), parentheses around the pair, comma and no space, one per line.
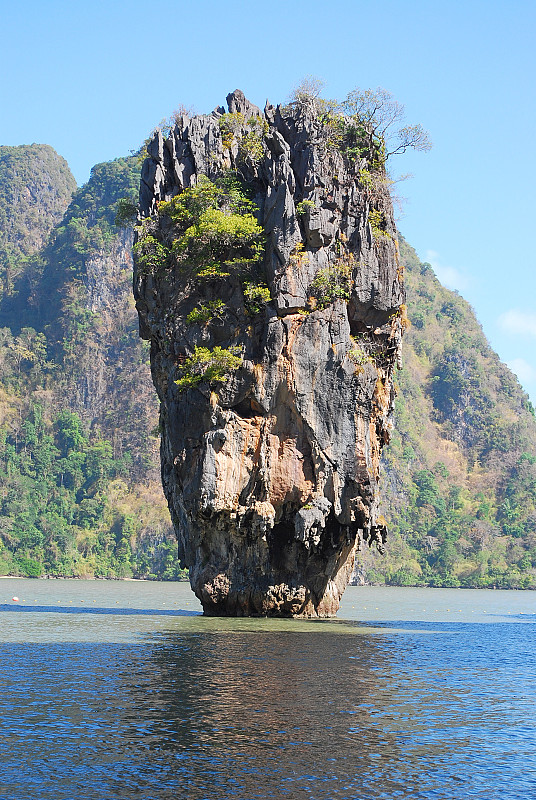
(122,690)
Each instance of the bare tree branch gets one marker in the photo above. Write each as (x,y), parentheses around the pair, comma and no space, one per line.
(378,112)
(411,136)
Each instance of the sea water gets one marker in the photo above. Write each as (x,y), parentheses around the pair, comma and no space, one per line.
(124,690)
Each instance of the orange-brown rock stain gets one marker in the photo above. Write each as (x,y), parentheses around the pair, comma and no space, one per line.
(379,435)
(291,476)
(290,470)
(234,465)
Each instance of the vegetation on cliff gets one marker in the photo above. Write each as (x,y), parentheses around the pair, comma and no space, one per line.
(270,484)
(211,230)
(36,185)
(78,458)
(459,476)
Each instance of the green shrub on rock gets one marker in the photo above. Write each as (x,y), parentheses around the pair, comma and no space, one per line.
(255,297)
(213,225)
(151,255)
(248,134)
(333,282)
(377,224)
(202,313)
(303,206)
(208,366)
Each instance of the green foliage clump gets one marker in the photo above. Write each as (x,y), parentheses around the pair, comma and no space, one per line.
(377,224)
(303,206)
(208,366)
(358,356)
(212,271)
(347,133)
(204,312)
(151,255)
(214,227)
(367,179)
(299,255)
(333,282)
(354,140)
(127,211)
(219,237)
(255,297)
(186,208)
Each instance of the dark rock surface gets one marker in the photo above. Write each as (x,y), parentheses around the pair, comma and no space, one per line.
(272,474)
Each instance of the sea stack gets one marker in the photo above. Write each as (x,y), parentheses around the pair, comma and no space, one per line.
(268,282)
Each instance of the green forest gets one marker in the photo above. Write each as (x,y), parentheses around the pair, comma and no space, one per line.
(459,476)
(80,488)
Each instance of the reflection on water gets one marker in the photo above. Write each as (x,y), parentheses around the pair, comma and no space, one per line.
(201,708)
(280,716)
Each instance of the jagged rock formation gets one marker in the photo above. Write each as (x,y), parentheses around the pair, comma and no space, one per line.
(274,407)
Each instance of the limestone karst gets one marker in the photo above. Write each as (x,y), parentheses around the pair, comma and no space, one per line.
(267,280)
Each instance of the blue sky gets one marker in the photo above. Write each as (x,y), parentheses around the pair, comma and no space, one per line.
(93,78)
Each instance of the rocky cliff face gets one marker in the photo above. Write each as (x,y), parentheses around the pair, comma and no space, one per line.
(267,280)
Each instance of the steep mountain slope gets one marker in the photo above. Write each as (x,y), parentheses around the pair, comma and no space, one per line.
(36,185)
(78,461)
(460,472)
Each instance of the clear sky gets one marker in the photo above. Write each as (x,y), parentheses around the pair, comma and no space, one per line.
(93,77)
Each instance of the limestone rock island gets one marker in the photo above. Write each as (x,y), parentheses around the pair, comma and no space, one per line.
(268,283)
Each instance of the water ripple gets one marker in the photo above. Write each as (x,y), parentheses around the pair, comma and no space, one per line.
(305,712)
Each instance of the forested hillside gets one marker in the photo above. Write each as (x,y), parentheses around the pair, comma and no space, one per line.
(78,448)
(459,477)
(79,478)
(36,186)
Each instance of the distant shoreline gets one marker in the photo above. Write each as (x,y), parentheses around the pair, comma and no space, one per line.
(78,578)
(185,580)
